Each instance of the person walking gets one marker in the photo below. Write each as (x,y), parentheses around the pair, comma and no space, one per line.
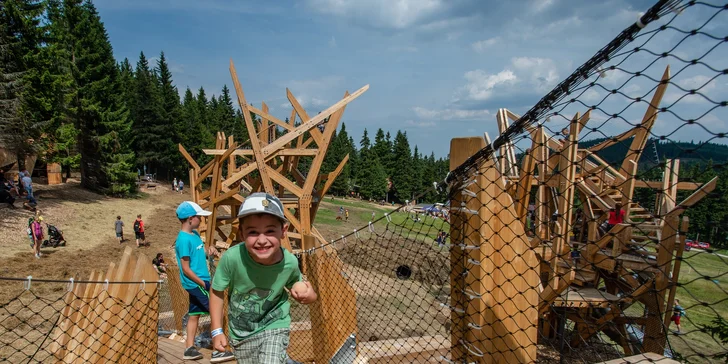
(119,227)
(139,231)
(677,312)
(174,184)
(28,186)
(181,186)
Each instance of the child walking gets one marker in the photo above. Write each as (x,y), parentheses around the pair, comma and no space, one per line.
(195,276)
(259,276)
(119,227)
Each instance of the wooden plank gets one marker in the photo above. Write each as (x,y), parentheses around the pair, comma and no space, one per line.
(643,130)
(285,182)
(188,157)
(254,141)
(642,358)
(698,195)
(246,152)
(312,123)
(332,176)
(266,116)
(406,350)
(333,315)
(316,135)
(656,185)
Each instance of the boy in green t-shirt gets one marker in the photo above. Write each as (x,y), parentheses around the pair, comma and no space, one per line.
(259,275)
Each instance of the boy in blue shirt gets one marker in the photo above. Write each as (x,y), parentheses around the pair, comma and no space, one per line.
(259,275)
(194,275)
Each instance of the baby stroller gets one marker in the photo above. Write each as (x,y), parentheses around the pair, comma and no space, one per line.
(55,236)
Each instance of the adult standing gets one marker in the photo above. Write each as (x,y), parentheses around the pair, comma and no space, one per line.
(28,186)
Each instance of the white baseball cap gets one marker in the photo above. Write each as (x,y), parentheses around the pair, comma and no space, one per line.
(262,203)
(188,209)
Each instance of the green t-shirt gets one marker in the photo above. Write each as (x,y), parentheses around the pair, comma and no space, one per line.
(257,299)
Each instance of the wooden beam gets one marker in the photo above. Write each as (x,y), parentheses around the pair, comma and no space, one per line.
(698,195)
(188,157)
(266,116)
(285,182)
(254,141)
(643,130)
(312,123)
(332,176)
(656,185)
(315,133)
(284,152)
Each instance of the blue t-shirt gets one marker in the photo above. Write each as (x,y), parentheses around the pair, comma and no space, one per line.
(190,245)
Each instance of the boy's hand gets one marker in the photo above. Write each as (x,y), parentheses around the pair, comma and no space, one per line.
(303,292)
(219,343)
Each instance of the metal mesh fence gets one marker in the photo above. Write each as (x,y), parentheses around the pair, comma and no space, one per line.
(589,230)
(581,234)
(44,321)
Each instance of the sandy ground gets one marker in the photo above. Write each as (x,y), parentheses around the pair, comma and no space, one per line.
(87,221)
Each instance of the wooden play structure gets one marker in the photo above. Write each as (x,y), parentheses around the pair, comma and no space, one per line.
(110,321)
(270,163)
(637,261)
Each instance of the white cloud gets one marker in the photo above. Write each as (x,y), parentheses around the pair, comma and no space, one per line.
(190,5)
(480,84)
(538,6)
(703,84)
(481,45)
(540,72)
(393,14)
(423,124)
(450,114)
(332,42)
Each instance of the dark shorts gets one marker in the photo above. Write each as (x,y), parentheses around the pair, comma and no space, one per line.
(139,235)
(199,301)
(119,235)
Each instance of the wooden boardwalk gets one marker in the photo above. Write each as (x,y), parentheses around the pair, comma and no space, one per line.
(170,352)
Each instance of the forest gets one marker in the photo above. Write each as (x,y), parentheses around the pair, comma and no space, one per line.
(65,98)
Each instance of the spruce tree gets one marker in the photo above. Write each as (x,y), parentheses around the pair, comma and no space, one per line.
(401,168)
(149,131)
(99,114)
(169,116)
(22,111)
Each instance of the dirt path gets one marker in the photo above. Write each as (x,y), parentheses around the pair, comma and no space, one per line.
(87,220)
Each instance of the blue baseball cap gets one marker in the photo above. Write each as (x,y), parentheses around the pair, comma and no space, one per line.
(188,208)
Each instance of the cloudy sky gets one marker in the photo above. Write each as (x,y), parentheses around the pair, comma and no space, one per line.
(437,69)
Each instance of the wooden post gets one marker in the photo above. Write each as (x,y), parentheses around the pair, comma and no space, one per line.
(333,315)
(54,174)
(499,295)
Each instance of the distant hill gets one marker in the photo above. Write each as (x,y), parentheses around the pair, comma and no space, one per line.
(687,152)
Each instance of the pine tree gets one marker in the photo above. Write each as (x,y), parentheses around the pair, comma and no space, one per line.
(152,150)
(401,169)
(169,117)
(22,111)
(340,147)
(99,114)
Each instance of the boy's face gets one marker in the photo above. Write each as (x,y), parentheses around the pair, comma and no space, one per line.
(195,221)
(262,234)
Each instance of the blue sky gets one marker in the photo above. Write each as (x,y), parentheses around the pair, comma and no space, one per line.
(437,69)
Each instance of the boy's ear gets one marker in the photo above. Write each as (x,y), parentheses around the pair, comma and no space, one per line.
(285,229)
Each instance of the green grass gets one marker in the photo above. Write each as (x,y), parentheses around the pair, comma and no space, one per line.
(360,213)
(703,299)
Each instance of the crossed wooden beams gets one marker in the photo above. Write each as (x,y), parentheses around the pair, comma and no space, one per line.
(275,158)
(565,171)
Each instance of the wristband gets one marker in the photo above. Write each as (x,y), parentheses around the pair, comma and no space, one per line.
(215,332)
